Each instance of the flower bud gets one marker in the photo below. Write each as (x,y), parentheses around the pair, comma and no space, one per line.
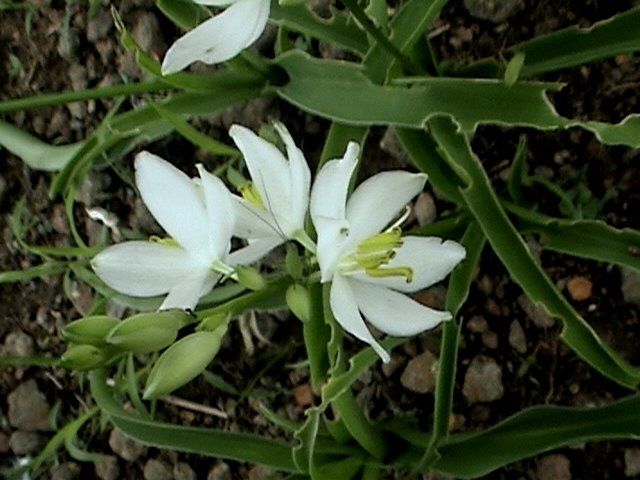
(299,301)
(213,322)
(148,332)
(89,330)
(83,357)
(250,278)
(182,362)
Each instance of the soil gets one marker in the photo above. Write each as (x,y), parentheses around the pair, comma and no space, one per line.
(53,46)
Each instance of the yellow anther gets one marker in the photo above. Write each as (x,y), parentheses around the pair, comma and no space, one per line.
(373,260)
(405,272)
(250,193)
(168,241)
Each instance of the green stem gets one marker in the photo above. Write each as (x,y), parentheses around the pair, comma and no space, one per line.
(51,99)
(377,34)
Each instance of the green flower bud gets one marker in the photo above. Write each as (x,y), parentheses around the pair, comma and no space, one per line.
(83,357)
(299,301)
(250,278)
(148,332)
(182,362)
(293,262)
(89,330)
(512,72)
(215,321)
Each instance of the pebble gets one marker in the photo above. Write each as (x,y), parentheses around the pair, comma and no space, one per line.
(425,209)
(220,471)
(22,443)
(99,26)
(28,408)
(490,339)
(495,11)
(419,375)
(124,446)
(630,285)
(18,344)
(157,470)
(483,380)
(146,31)
(4,443)
(182,471)
(391,366)
(107,468)
(391,144)
(65,471)
(477,324)
(433,297)
(260,473)
(580,288)
(554,467)
(77,76)
(303,395)
(537,313)
(517,338)
(631,462)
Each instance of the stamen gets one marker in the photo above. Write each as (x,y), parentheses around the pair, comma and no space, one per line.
(405,272)
(401,220)
(168,241)
(250,193)
(382,242)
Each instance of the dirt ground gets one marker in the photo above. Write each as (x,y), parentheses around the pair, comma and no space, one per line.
(510,348)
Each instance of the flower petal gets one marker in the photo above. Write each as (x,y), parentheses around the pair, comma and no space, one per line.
(252,222)
(330,189)
(220,212)
(269,171)
(299,179)
(143,269)
(254,251)
(214,3)
(393,312)
(332,239)
(377,200)
(430,258)
(221,37)
(174,201)
(345,310)
(185,295)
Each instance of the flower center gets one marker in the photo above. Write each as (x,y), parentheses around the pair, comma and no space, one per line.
(374,254)
(250,193)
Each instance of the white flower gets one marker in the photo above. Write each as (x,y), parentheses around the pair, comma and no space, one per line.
(199,217)
(221,37)
(274,204)
(370,270)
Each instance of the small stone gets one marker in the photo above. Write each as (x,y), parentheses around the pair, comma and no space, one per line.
(425,209)
(28,409)
(124,446)
(18,344)
(554,467)
(107,468)
(157,470)
(537,313)
(432,297)
(477,324)
(182,471)
(631,462)
(220,471)
(23,443)
(99,26)
(517,338)
(260,473)
(420,373)
(4,443)
(490,339)
(630,285)
(58,219)
(146,31)
(495,11)
(391,144)
(77,76)
(579,288)
(65,471)
(391,366)
(483,380)
(303,395)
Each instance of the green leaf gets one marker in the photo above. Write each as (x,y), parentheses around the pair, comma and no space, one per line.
(203,441)
(537,430)
(185,14)
(592,239)
(34,152)
(339,91)
(514,69)
(514,254)
(38,271)
(316,335)
(337,29)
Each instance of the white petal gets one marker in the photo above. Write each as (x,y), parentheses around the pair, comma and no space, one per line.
(253,222)
(269,171)
(174,201)
(143,269)
(332,241)
(220,212)
(185,295)
(393,312)
(345,310)
(379,199)
(300,179)
(329,192)
(254,251)
(430,258)
(214,3)
(220,38)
